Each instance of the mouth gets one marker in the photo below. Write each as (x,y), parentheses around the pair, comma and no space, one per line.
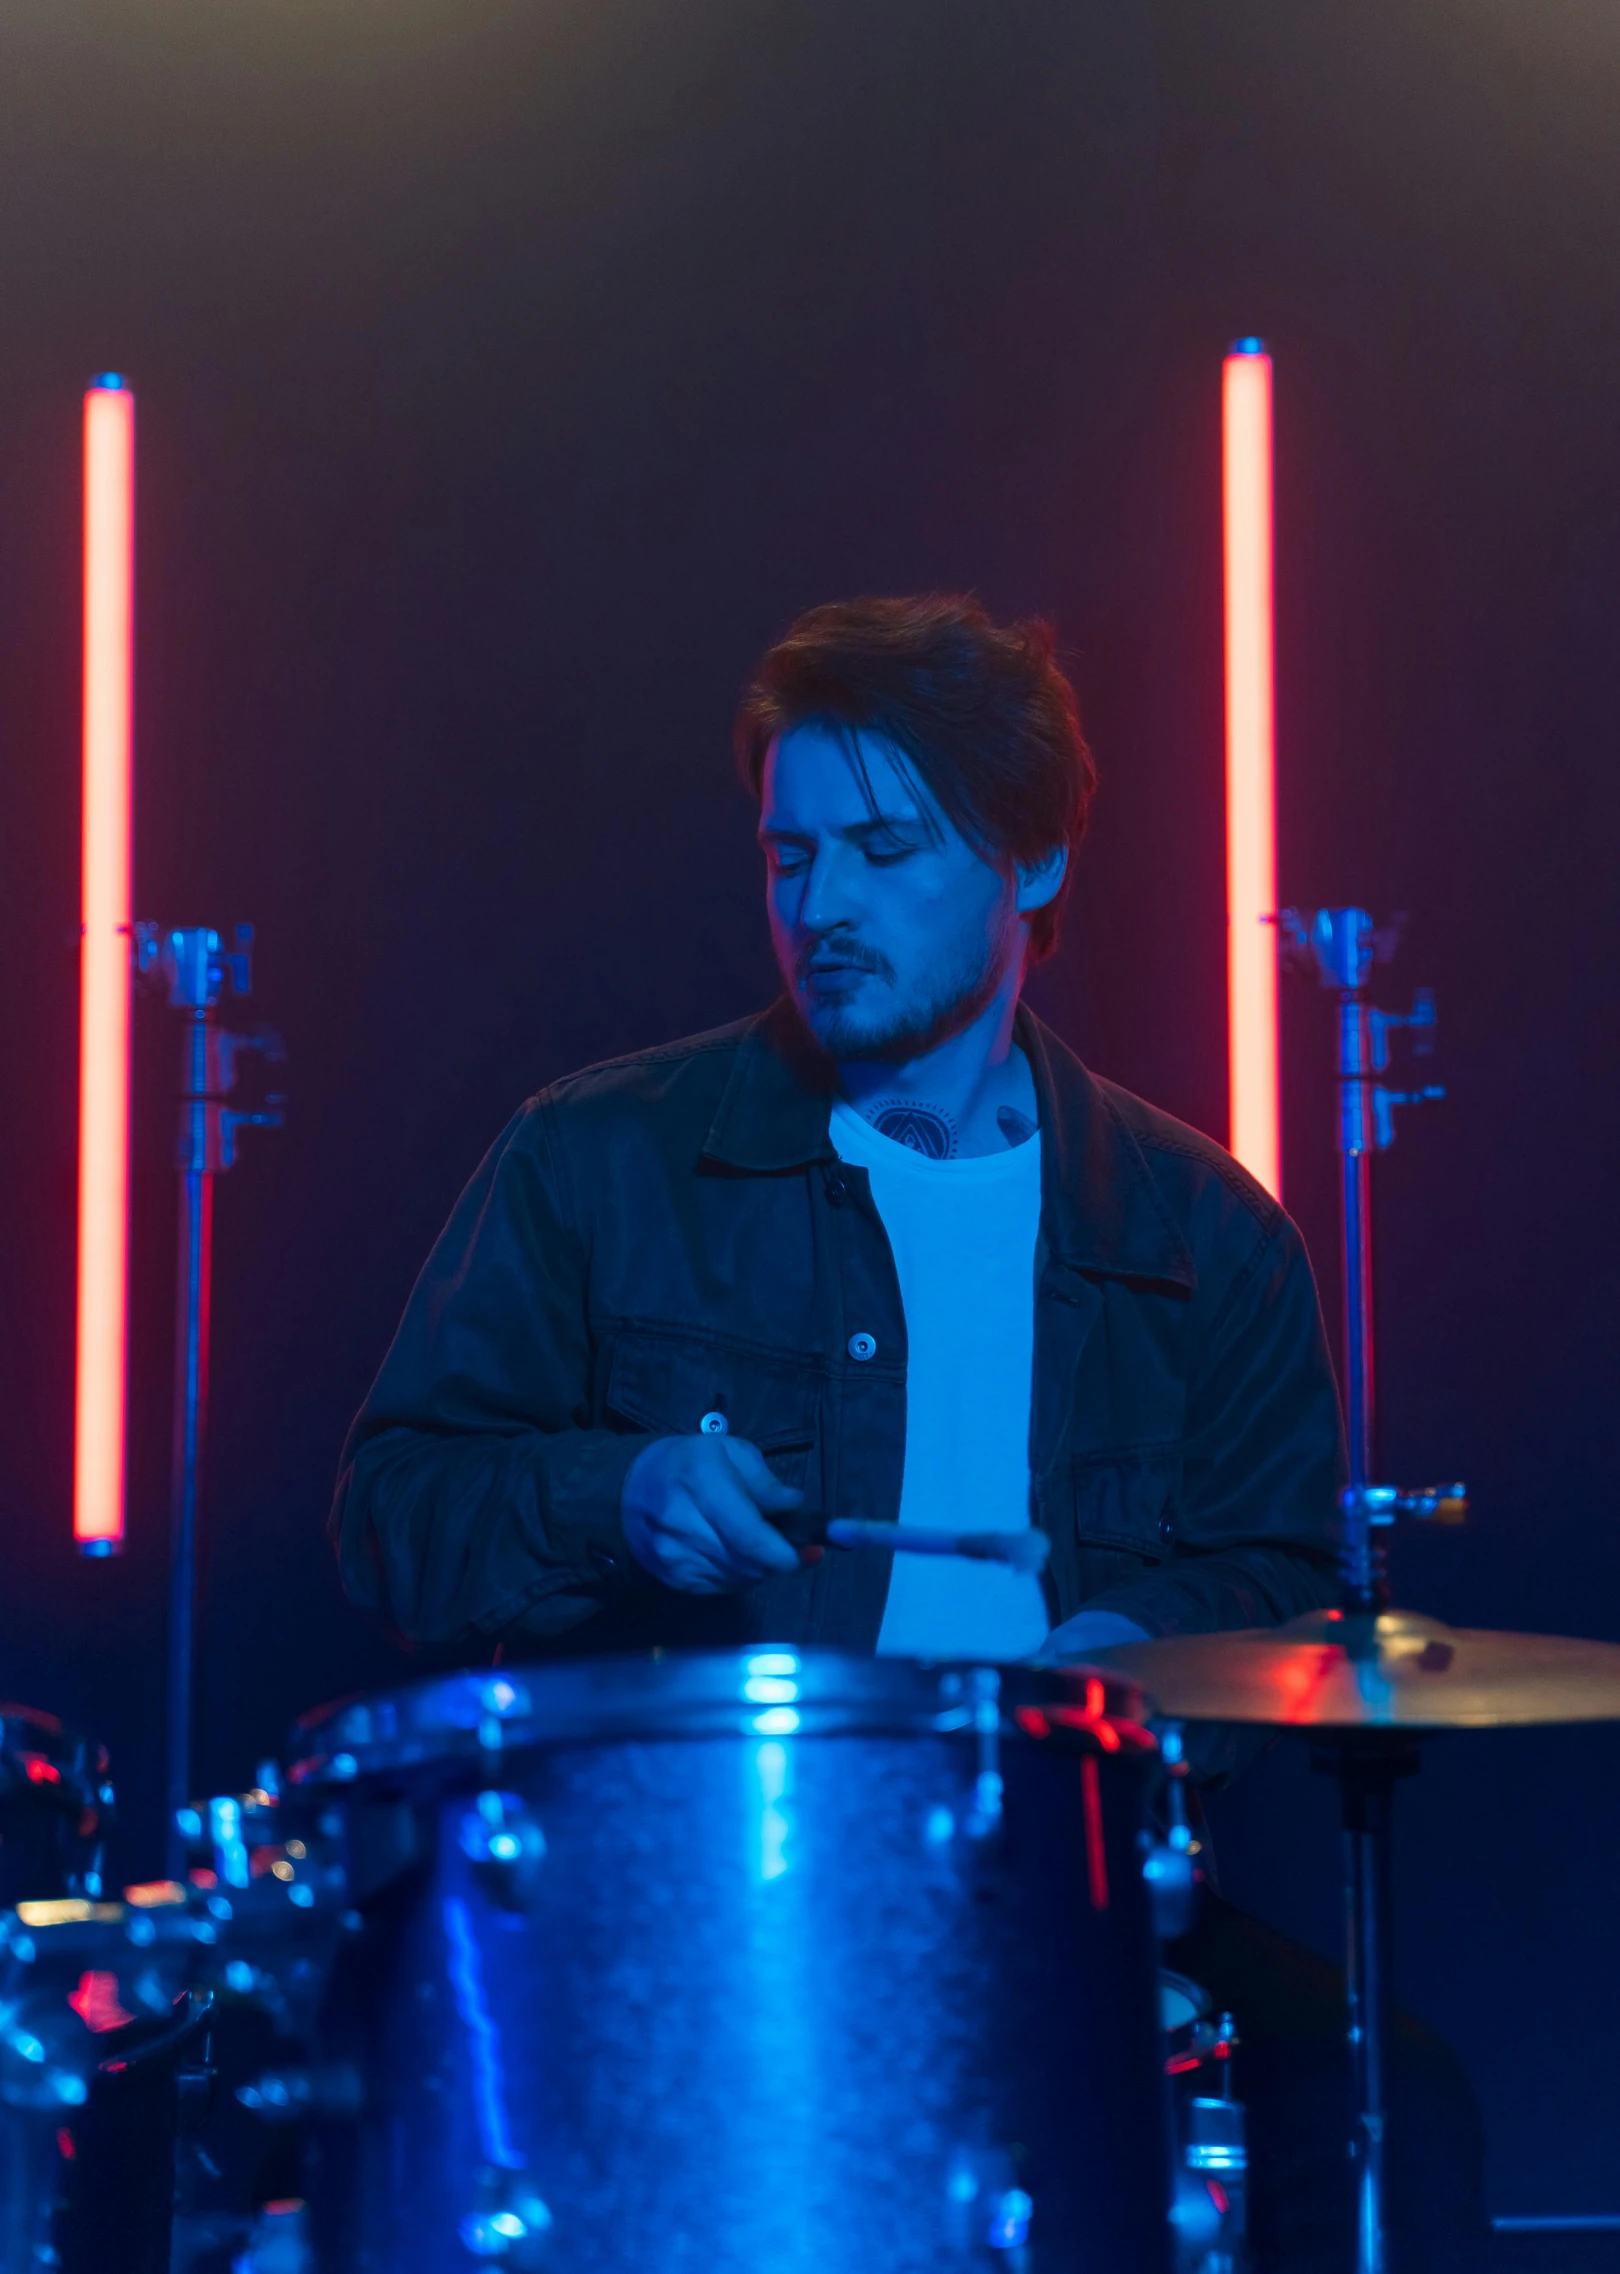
(830,976)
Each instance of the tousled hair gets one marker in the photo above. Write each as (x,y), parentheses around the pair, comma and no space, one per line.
(980,712)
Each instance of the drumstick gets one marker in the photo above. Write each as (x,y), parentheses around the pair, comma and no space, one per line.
(1025,1551)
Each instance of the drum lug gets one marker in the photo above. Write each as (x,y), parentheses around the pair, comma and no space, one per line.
(984,1819)
(509,2221)
(288,2096)
(506,1848)
(987,2206)
(1167,1864)
(1172,1885)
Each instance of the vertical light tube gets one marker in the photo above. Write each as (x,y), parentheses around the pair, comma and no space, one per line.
(104,982)
(1251,865)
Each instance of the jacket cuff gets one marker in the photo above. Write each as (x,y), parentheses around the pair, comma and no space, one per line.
(573,1523)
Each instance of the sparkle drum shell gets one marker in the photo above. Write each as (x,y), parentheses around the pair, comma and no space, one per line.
(753,1962)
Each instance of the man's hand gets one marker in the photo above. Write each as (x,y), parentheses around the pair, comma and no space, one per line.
(1088,1631)
(692,1506)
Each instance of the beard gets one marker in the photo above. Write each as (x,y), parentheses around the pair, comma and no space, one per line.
(912,1021)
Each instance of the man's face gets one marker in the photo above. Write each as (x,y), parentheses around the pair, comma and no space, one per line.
(891,930)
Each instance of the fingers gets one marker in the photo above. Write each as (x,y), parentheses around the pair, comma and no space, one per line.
(689,1554)
(766,1490)
(691,1509)
(732,1508)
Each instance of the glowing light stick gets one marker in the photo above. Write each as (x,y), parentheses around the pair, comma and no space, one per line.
(104,985)
(1251,871)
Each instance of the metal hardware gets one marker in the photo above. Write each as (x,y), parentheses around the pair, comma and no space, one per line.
(509,2220)
(289,2096)
(1167,1864)
(505,1846)
(1366,1765)
(1217,2137)
(984,1687)
(194,965)
(1345,944)
(1209,2206)
(230,1849)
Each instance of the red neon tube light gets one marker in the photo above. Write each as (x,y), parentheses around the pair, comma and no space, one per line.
(104,981)
(1251,862)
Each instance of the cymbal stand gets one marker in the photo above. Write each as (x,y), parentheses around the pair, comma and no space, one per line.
(195,968)
(1345,945)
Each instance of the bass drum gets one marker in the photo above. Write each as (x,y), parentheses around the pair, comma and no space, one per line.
(742,1960)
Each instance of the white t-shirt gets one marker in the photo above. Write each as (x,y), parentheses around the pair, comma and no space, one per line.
(963,1235)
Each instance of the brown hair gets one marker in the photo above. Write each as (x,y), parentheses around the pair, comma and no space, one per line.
(979,710)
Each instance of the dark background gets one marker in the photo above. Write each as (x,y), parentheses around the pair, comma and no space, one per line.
(509,371)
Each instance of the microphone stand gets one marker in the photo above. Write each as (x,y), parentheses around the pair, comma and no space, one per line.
(196,969)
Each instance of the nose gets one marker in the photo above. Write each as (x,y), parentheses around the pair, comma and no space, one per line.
(826,900)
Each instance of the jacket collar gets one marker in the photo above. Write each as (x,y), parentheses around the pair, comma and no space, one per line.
(1101,1207)
(774,1111)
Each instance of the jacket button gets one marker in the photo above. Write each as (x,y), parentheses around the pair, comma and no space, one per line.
(836,1189)
(862,1346)
(714,1425)
(1167,1530)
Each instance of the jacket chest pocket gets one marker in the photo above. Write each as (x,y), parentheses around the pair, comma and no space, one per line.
(675,1385)
(1129,1502)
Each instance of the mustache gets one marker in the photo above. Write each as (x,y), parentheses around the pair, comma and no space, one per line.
(850,955)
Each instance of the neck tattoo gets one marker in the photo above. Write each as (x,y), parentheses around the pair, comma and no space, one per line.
(1016,1127)
(923,1127)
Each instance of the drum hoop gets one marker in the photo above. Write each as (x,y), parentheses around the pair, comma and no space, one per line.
(761,1692)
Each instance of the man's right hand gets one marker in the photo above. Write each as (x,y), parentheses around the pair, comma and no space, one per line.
(692,1509)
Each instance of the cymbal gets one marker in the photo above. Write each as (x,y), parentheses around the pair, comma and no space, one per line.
(1329,1671)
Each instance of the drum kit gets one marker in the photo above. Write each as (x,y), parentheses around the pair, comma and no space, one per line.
(730,1961)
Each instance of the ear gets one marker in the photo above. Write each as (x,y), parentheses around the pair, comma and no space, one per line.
(1040,881)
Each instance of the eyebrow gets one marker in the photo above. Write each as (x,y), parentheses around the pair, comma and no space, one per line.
(860,832)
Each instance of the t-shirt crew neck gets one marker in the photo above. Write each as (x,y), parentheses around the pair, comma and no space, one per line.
(963,1235)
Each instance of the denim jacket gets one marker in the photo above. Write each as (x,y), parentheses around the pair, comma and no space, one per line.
(672,1235)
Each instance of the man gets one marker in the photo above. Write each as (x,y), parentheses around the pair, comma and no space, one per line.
(890,1251)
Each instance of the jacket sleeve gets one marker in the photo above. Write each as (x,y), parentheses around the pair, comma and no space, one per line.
(1257,1524)
(470,1493)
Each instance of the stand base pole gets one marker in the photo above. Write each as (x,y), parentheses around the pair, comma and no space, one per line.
(1366,1767)
(196,966)
(190,1422)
